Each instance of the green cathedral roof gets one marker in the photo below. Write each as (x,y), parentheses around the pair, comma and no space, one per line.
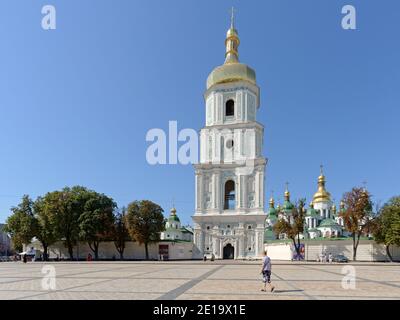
(272,212)
(328,223)
(311,212)
(287,206)
(173,218)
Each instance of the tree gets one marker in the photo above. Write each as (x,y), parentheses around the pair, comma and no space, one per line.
(120,232)
(45,230)
(145,221)
(386,228)
(97,219)
(357,215)
(64,209)
(292,224)
(21,225)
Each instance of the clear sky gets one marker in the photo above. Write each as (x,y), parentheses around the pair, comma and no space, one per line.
(76,102)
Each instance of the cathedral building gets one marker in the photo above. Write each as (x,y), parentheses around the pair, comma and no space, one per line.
(229,212)
(174,231)
(321,219)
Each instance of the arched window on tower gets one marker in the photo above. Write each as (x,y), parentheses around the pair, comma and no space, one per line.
(230,108)
(229,195)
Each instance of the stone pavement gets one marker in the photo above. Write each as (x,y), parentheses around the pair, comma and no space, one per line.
(226,280)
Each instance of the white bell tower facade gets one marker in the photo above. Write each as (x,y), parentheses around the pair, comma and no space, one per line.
(230,177)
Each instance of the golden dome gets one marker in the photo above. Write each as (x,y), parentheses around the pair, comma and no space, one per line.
(232,70)
(173,211)
(272,202)
(321,195)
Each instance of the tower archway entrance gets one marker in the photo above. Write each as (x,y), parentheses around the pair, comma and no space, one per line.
(229,251)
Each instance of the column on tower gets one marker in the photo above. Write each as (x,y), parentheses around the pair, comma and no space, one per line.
(216,190)
(199,191)
(242,191)
(261,189)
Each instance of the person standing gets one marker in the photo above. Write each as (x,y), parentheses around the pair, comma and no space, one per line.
(266,272)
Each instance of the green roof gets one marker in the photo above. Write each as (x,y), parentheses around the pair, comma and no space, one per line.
(311,212)
(328,223)
(287,206)
(173,218)
(271,212)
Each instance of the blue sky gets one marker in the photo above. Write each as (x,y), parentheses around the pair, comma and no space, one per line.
(76,102)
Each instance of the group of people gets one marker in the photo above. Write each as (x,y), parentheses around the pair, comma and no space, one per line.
(324,257)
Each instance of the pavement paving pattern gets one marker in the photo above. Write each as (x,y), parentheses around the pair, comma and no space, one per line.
(186,280)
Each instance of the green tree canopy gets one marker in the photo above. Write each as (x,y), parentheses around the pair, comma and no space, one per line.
(96,220)
(120,232)
(357,215)
(387,225)
(292,224)
(64,209)
(145,221)
(45,230)
(21,225)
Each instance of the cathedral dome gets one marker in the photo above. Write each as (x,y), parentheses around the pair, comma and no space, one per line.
(271,212)
(232,70)
(287,205)
(173,217)
(311,211)
(321,195)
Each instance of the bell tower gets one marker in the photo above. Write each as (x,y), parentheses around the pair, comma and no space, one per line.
(229,214)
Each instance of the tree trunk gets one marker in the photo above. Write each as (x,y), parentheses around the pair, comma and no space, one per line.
(70,250)
(121,254)
(120,248)
(94,246)
(45,250)
(388,253)
(354,248)
(96,250)
(296,247)
(147,250)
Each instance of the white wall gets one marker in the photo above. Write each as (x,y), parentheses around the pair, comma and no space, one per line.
(367,250)
(134,251)
(279,251)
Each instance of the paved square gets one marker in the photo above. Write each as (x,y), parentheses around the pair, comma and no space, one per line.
(234,280)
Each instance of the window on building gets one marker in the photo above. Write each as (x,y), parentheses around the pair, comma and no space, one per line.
(230,108)
(229,195)
(249,227)
(208,227)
